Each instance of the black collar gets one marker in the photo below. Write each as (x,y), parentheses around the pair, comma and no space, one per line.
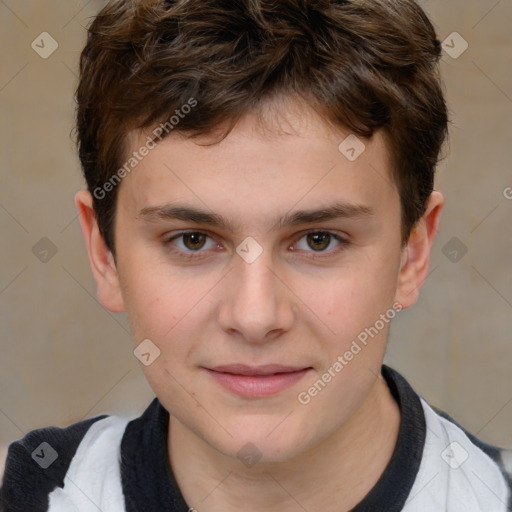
(393,487)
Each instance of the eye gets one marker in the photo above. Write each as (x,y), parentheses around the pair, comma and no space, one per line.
(320,241)
(190,242)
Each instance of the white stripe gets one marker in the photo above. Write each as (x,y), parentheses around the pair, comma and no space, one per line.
(464,479)
(93,481)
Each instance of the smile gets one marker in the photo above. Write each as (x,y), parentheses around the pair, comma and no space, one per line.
(256,382)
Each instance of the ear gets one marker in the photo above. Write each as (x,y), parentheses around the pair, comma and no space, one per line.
(416,254)
(100,257)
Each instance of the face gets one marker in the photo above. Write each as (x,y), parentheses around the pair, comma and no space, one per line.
(254,266)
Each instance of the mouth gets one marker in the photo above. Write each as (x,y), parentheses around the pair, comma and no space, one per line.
(257,381)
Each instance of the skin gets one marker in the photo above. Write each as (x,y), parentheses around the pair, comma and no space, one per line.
(285,307)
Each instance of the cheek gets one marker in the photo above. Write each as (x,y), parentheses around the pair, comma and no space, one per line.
(154,302)
(165,311)
(170,307)
(358,311)
(352,298)
(157,307)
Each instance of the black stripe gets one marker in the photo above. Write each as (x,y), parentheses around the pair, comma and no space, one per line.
(26,484)
(148,482)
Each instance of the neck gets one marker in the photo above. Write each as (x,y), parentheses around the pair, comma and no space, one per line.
(345,466)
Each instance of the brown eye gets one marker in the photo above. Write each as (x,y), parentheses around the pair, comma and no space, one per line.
(319,241)
(194,241)
(321,244)
(191,245)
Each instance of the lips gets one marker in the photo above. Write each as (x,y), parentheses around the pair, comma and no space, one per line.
(256,371)
(256,381)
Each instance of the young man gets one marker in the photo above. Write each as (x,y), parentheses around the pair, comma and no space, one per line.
(260,202)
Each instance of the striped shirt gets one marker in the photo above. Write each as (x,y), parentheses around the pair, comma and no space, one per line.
(113,464)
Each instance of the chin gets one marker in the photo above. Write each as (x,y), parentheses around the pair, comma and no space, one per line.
(255,446)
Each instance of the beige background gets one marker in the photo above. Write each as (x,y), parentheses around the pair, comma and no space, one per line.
(63,358)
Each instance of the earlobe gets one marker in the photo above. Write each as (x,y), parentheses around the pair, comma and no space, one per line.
(415,256)
(101,260)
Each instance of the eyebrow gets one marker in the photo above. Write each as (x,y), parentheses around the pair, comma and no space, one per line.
(339,210)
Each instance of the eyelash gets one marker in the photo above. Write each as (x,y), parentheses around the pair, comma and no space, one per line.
(196,255)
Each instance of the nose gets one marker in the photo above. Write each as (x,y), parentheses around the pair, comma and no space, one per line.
(257,305)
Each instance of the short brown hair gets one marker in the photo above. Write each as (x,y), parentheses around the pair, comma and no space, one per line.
(363,65)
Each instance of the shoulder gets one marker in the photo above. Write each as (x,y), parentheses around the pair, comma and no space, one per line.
(38,465)
(457,467)
(453,469)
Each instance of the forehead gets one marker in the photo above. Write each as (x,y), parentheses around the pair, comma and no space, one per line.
(281,157)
